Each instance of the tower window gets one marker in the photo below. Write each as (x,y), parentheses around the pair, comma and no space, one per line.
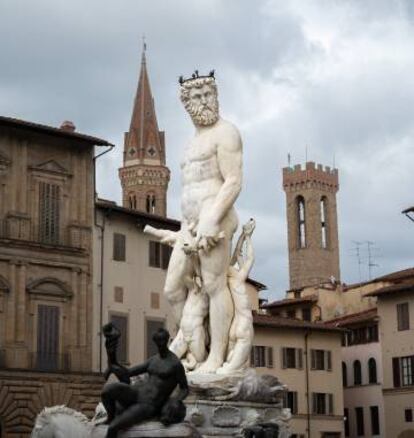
(324,234)
(301,222)
(150,203)
(133,202)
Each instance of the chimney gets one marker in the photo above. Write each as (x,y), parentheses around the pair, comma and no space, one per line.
(68,126)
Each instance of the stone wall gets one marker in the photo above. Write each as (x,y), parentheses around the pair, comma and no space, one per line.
(24,394)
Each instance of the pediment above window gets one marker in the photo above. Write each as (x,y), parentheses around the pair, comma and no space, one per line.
(51,166)
(4,285)
(49,287)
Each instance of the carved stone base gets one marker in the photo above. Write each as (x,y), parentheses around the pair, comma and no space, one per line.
(153,429)
(231,418)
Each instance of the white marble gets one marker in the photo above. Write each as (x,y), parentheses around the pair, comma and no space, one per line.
(204,285)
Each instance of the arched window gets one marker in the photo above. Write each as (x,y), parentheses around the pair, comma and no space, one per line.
(372,370)
(357,373)
(150,203)
(324,215)
(133,202)
(300,212)
(344,375)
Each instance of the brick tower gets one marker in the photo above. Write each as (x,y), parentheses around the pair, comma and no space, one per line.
(312,224)
(144,175)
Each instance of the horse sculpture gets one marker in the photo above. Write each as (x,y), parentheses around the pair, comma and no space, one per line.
(61,422)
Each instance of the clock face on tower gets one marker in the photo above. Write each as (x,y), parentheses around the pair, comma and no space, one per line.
(151,151)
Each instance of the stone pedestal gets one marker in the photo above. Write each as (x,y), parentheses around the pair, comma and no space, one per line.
(230,418)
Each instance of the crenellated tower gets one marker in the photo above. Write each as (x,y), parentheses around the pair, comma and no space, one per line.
(312,224)
(144,175)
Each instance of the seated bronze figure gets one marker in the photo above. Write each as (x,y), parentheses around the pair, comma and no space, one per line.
(127,405)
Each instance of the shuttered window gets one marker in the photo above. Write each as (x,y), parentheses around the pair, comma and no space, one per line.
(290,401)
(151,327)
(321,360)
(346,422)
(403,316)
(119,250)
(322,403)
(292,357)
(49,213)
(261,356)
(159,255)
(121,323)
(403,371)
(47,356)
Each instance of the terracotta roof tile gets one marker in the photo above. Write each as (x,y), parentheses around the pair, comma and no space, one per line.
(261,320)
(353,318)
(290,301)
(407,286)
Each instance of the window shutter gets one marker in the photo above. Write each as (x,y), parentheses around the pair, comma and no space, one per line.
(299,358)
(166,255)
(330,404)
(328,360)
(396,371)
(154,254)
(270,357)
(313,360)
(284,357)
(119,247)
(295,402)
(314,403)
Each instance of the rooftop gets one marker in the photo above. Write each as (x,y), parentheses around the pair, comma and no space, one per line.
(140,216)
(353,318)
(260,320)
(407,286)
(290,302)
(50,130)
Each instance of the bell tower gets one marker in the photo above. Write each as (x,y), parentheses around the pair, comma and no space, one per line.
(144,175)
(312,224)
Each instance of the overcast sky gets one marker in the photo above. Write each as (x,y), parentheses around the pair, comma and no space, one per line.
(335,78)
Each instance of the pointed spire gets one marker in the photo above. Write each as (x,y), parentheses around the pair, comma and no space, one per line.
(144,137)
(144,175)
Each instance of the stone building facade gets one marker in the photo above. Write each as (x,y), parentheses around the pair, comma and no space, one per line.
(46,226)
(144,175)
(312,224)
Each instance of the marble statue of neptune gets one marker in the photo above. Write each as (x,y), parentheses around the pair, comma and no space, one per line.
(211,173)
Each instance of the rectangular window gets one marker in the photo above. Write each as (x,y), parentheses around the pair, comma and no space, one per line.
(403,316)
(407,370)
(408,414)
(359,417)
(119,247)
(292,358)
(290,400)
(159,255)
(346,421)
(291,314)
(322,403)
(372,333)
(49,213)
(47,355)
(121,323)
(151,328)
(321,360)
(375,427)
(306,314)
(166,251)
(261,356)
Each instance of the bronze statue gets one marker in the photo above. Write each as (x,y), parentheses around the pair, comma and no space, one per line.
(127,405)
